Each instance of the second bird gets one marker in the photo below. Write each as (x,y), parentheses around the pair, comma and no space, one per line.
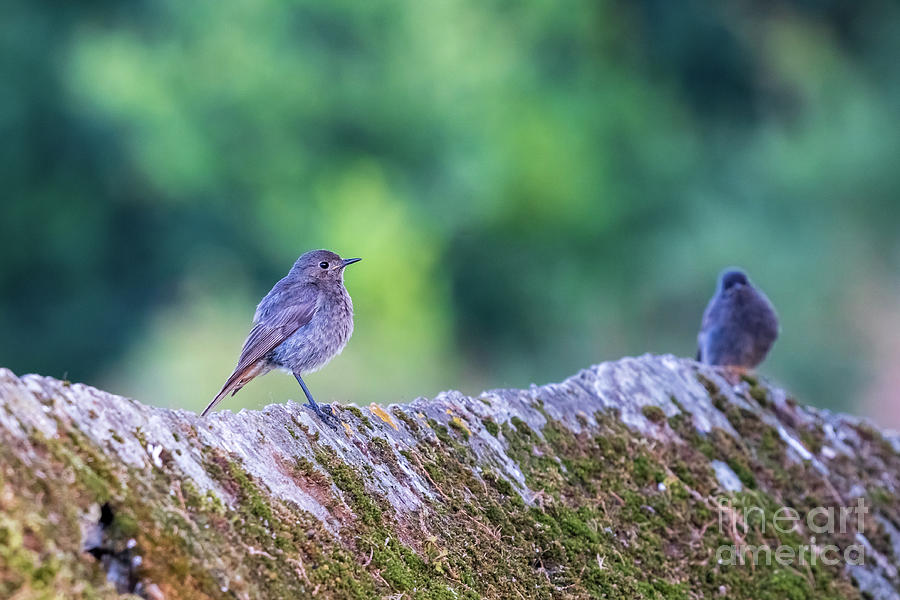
(739,324)
(300,325)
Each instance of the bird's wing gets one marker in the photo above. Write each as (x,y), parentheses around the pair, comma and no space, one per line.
(264,337)
(268,334)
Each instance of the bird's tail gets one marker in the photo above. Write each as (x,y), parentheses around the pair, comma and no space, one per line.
(238,379)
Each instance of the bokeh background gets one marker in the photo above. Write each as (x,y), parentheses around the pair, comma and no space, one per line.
(534,187)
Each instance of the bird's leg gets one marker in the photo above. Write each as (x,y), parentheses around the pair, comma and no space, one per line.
(326,415)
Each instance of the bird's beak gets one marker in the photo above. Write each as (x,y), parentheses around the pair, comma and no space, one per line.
(350,261)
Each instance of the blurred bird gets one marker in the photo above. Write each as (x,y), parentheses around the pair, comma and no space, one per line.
(300,325)
(739,324)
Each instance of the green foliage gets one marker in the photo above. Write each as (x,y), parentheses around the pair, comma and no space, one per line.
(532,186)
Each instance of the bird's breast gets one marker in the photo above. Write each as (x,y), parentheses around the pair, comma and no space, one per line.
(336,317)
(320,340)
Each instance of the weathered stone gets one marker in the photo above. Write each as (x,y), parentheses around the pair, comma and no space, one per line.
(626,480)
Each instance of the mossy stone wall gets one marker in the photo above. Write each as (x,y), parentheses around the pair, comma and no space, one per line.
(624,481)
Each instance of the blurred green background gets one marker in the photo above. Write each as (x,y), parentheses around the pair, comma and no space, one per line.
(534,187)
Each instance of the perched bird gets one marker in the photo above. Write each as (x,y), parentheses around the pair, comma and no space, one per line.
(300,325)
(739,324)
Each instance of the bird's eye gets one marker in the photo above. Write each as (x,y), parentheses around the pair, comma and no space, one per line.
(323,264)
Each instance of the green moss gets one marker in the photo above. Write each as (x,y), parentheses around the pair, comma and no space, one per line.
(746,422)
(681,421)
(646,471)
(491,427)
(720,402)
(760,394)
(711,388)
(406,419)
(522,427)
(90,468)
(435,472)
(682,471)
(355,410)
(256,504)
(813,438)
(751,380)
(213,503)
(881,496)
(348,481)
(743,472)
(500,483)
(457,425)
(124,525)
(440,431)
(770,443)
(654,413)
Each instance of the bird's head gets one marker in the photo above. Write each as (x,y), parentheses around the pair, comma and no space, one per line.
(731,278)
(321,265)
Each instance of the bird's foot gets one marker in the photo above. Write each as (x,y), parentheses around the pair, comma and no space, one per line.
(325,414)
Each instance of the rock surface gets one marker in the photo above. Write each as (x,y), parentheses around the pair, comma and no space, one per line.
(631,479)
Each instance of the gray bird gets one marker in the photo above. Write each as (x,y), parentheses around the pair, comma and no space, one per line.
(739,324)
(300,325)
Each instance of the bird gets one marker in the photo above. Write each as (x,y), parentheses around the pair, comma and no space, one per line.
(739,324)
(303,322)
